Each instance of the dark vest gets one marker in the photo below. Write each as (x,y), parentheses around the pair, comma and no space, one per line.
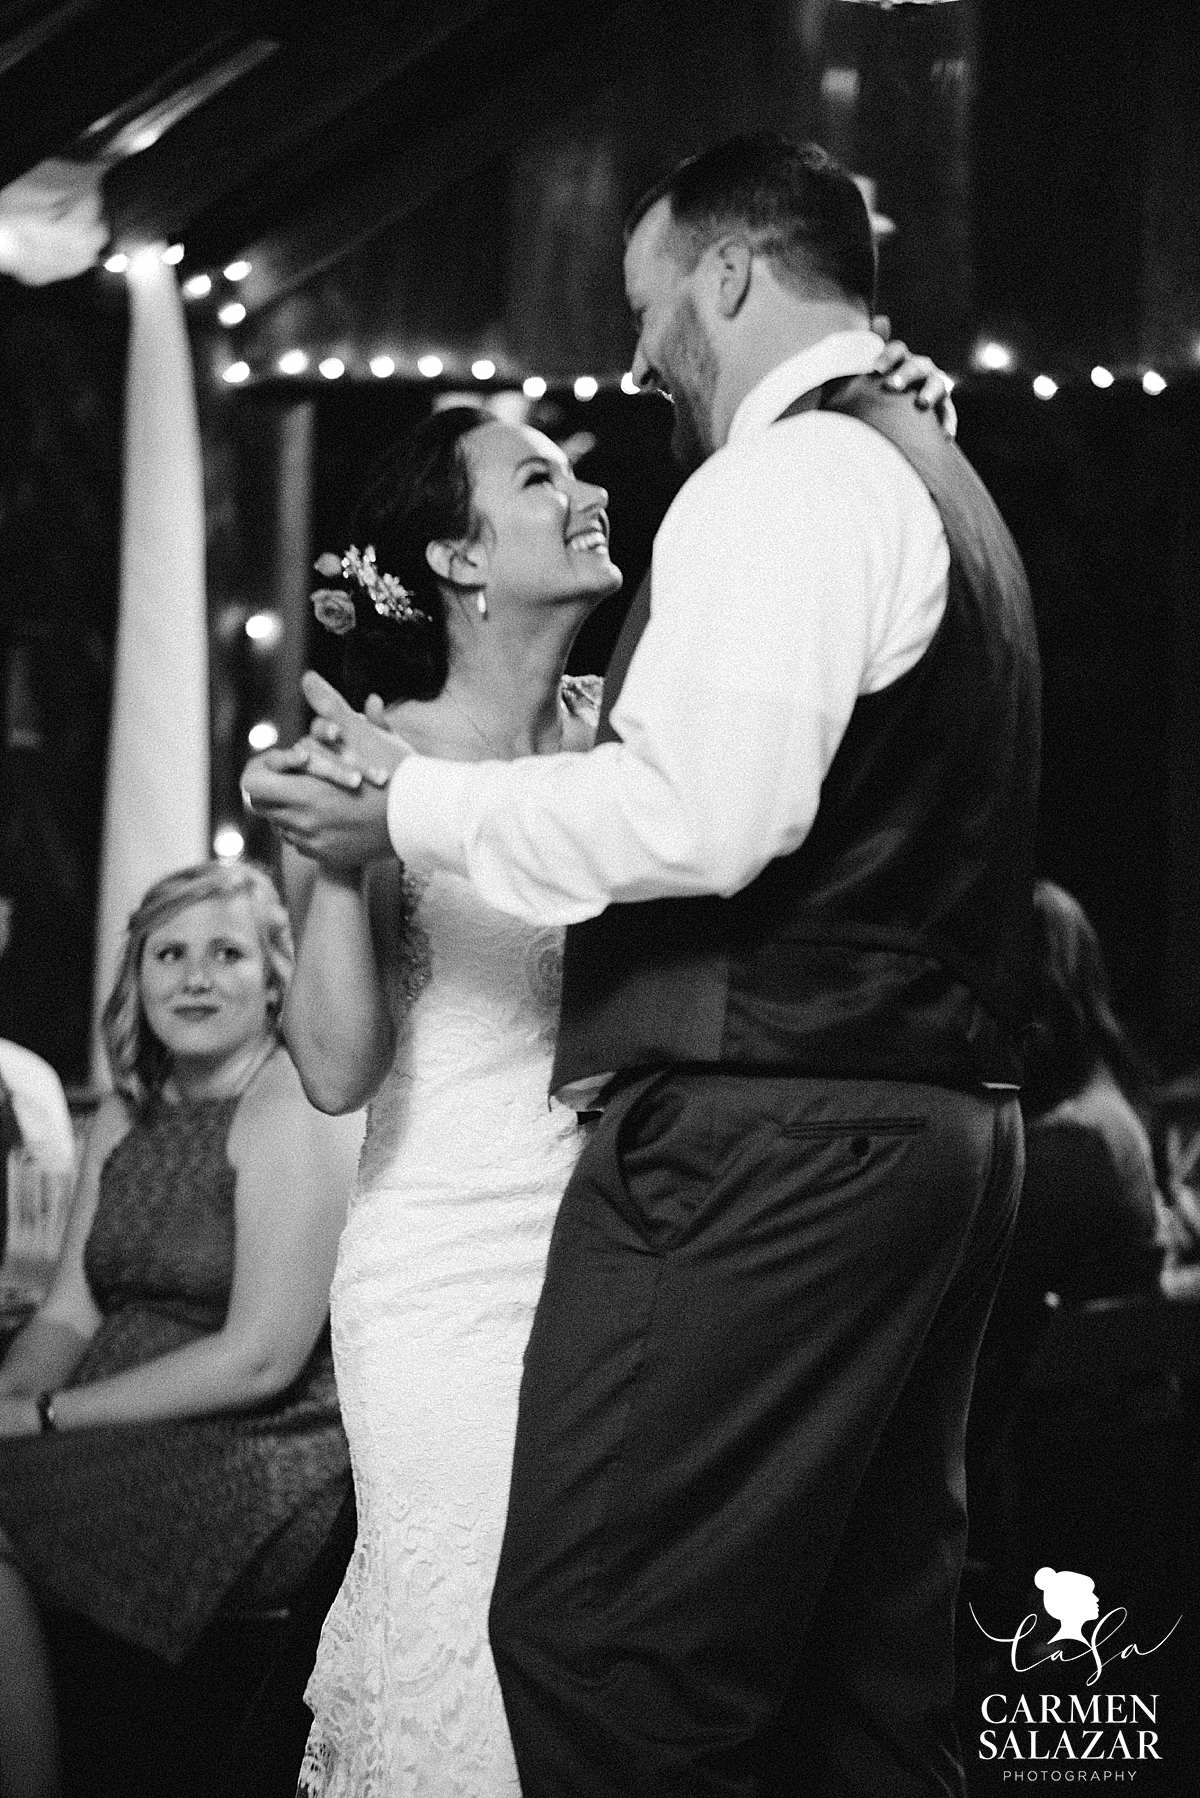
(892,943)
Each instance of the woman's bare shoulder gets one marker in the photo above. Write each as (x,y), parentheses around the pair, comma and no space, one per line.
(273,1100)
(111,1120)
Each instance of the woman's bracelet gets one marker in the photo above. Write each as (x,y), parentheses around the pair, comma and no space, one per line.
(44,1404)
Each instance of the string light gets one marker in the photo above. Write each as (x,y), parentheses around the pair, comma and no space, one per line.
(265,628)
(229,843)
(197,286)
(116,265)
(233,314)
(987,356)
(263,735)
(173,254)
(996,358)
(237,271)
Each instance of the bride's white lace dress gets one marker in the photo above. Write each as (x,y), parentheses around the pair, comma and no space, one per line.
(438,1273)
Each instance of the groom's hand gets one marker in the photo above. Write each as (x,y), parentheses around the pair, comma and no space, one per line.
(339,828)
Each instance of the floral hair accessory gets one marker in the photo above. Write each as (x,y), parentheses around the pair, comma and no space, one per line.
(335,608)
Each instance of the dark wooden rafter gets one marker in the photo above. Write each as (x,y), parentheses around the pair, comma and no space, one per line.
(89,63)
(280,123)
(459,109)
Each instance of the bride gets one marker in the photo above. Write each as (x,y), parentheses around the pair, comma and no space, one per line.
(411,993)
(482,552)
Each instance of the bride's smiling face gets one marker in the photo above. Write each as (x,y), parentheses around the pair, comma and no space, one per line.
(544,532)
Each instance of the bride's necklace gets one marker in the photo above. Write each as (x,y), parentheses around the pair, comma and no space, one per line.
(493,748)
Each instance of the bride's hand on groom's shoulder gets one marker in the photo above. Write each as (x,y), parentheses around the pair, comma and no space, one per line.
(351,742)
(920,376)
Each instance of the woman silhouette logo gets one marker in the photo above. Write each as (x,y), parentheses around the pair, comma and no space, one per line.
(1070,1598)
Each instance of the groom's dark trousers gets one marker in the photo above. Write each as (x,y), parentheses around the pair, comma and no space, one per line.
(737,1518)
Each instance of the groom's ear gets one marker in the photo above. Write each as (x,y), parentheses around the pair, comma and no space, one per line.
(732,261)
(462,564)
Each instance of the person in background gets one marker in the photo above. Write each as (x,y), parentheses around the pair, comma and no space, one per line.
(1089,1206)
(1088,1221)
(33,1111)
(169,1428)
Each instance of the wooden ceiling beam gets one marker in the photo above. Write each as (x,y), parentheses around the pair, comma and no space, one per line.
(480,109)
(103,57)
(329,66)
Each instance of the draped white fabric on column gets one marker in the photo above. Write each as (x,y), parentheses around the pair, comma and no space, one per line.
(157,804)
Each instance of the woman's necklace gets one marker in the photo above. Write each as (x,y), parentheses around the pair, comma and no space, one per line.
(493,749)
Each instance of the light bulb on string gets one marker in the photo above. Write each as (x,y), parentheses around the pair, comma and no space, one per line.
(263,735)
(233,314)
(483,368)
(430,366)
(586,387)
(264,628)
(1045,387)
(292,362)
(237,271)
(229,844)
(995,358)
(173,254)
(628,383)
(533,387)
(1101,376)
(332,367)
(236,373)
(382,366)
(197,287)
(1153,383)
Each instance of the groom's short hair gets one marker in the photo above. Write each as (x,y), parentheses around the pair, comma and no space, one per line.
(796,203)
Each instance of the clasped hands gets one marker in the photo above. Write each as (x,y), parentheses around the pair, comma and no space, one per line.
(327,794)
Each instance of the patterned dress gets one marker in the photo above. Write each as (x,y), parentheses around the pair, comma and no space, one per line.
(147,1528)
(438,1274)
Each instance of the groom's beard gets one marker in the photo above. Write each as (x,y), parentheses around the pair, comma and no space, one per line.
(688,362)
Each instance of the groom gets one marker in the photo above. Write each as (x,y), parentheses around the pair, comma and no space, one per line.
(798,869)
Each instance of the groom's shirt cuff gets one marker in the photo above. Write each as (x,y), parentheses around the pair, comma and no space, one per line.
(425,811)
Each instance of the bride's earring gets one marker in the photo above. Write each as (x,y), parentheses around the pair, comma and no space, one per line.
(481,605)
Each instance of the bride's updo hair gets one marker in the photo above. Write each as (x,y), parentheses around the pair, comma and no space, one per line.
(418,492)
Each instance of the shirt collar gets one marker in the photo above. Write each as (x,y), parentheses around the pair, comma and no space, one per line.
(841,353)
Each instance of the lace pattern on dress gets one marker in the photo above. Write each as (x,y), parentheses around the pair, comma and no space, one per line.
(439,1270)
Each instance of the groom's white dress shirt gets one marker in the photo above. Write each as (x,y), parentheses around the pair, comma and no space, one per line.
(803,564)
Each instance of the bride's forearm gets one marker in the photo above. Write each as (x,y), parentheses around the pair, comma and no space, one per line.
(336,1019)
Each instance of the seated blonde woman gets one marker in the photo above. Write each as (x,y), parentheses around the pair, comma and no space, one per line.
(169,1420)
